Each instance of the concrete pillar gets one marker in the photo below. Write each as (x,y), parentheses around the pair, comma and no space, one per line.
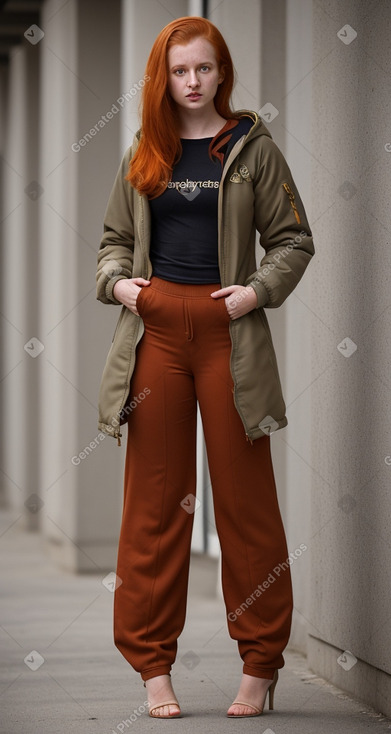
(4,73)
(141,23)
(20,270)
(80,82)
(350,642)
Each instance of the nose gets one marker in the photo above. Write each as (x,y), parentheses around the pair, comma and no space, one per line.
(193,79)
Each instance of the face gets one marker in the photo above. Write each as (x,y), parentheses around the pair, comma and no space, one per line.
(193,74)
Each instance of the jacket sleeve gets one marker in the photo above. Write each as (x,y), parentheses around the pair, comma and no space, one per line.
(115,255)
(284,231)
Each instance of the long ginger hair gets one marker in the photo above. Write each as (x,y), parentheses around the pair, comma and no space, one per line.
(159,146)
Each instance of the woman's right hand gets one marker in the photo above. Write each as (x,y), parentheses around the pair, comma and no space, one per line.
(126,291)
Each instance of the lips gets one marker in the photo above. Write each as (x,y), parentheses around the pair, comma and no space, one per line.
(194,95)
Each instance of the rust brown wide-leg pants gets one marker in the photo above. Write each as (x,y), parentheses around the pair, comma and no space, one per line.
(183,358)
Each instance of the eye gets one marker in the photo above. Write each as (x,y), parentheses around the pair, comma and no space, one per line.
(178,72)
(205,66)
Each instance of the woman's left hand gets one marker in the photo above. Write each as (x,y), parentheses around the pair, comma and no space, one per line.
(239,299)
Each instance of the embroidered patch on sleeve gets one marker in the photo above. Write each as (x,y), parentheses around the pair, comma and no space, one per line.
(292,201)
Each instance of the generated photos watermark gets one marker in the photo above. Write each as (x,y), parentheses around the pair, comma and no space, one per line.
(132,405)
(272,577)
(109,115)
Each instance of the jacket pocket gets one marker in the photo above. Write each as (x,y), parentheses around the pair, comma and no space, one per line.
(224,309)
(140,298)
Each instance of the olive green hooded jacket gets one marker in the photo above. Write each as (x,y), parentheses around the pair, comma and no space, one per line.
(257,193)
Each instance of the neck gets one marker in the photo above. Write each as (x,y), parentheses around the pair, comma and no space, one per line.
(199,123)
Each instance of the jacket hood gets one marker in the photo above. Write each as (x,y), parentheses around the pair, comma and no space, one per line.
(258,128)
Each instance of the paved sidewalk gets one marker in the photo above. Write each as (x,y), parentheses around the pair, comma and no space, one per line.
(84,685)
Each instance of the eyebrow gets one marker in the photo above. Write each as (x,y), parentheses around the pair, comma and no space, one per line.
(202,63)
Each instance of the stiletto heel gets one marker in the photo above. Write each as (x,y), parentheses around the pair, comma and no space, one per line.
(271,691)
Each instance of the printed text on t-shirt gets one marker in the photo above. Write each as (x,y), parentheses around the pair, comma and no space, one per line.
(191,185)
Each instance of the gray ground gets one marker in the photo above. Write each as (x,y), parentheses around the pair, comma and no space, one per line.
(84,685)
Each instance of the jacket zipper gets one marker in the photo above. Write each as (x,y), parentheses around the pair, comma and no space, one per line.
(292,201)
(237,148)
(234,152)
(119,434)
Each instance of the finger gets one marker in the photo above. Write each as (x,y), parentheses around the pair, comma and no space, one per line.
(222,293)
(141,281)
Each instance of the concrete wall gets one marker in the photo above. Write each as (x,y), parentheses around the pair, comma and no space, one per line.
(350,333)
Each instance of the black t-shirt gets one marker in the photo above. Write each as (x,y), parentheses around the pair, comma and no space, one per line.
(184,231)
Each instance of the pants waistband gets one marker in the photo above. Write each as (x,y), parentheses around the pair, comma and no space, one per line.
(187,290)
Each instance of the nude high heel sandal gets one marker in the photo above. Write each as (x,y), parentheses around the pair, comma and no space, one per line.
(257,711)
(176,715)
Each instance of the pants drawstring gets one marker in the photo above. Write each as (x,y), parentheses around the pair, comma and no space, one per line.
(188,322)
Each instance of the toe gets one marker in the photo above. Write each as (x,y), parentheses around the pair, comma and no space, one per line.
(168,710)
(171,709)
(238,709)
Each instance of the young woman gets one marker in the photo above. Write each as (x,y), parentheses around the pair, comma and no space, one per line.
(178,253)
